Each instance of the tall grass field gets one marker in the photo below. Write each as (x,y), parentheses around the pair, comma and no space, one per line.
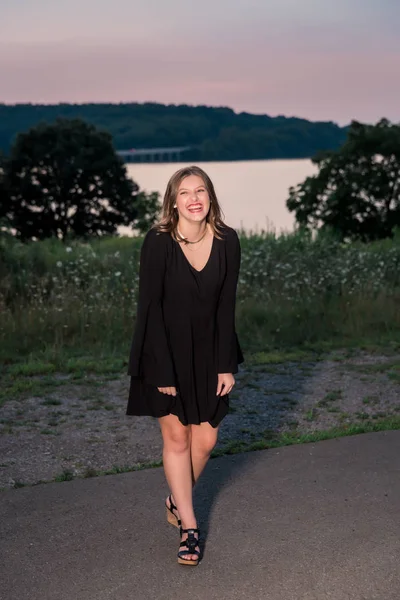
(79,299)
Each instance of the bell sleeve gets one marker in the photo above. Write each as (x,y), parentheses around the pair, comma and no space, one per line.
(229,353)
(150,356)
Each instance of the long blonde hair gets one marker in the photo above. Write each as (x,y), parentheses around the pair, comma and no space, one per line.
(169,219)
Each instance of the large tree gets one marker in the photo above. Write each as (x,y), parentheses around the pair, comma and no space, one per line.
(65,179)
(4,198)
(357,190)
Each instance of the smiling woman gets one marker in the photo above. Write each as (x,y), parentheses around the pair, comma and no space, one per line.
(185,350)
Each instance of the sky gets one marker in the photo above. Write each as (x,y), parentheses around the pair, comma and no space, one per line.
(330,60)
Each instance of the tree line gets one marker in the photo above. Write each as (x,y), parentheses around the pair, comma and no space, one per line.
(212,133)
(64,179)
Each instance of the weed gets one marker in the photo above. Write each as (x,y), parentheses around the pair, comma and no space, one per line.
(66,475)
(311,415)
(51,402)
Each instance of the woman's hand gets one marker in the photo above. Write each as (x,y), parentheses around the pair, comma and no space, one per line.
(171,391)
(226,381)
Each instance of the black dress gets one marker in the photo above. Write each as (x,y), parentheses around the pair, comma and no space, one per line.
(185,330)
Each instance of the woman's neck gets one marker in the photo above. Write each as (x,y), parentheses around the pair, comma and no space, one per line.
(191,231)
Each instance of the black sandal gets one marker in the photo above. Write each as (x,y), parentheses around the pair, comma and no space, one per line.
(190,544)
(171,516)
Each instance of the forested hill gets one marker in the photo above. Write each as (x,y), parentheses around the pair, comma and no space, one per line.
(213,133)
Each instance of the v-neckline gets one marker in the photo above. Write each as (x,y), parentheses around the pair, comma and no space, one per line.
(190,264)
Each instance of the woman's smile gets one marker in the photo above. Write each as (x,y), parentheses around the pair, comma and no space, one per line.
(194,208)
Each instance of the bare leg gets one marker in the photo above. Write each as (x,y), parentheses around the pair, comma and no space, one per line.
(178,468)
(203,440)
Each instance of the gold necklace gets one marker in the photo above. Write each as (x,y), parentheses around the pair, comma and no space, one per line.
(197,241)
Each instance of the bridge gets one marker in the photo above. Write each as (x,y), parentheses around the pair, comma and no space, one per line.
(153,154)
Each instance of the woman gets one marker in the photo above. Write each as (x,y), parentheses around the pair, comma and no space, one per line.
(185,349)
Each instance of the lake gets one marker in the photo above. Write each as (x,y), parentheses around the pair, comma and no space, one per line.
(252,194)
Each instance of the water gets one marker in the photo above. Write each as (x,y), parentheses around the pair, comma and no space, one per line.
(252,194)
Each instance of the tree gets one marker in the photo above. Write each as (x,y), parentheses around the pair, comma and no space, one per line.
(357,190)
(211,133)
(65,179)
(4,200)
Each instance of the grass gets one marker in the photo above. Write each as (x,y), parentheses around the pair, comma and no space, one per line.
(311,415)
(71,308)
(390,367)
(331,396)
(294,437)
(371,400)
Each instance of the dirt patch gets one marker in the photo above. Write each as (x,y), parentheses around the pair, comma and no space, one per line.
(81,428)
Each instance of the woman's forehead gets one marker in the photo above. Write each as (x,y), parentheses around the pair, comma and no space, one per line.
(191,181)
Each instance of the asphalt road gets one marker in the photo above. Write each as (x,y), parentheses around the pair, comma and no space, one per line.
(311,522)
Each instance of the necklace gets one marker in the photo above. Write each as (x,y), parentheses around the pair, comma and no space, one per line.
(197,241)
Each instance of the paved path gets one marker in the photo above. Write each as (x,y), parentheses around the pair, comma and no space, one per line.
(310,522)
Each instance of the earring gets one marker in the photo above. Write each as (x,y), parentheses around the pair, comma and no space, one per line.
(174,205)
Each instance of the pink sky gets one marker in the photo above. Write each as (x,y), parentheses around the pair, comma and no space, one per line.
(314,59)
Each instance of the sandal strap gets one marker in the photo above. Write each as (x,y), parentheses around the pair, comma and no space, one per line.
(189,549)
(191,542)
(189,531)
(171,509)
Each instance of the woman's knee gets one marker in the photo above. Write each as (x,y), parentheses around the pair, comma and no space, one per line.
(204,444)
(177,439)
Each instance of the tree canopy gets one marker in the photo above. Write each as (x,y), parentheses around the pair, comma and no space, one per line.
(212,133)
(65,179)
(357,190)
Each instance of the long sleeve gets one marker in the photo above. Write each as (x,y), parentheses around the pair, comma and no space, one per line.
(229,353)
(150,355)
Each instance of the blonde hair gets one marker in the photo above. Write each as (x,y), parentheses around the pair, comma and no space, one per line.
(169,219)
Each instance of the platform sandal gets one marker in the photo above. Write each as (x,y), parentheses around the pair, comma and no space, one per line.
(190,547)
(171,516)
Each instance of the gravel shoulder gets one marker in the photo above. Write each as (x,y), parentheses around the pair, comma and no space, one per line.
(79,427)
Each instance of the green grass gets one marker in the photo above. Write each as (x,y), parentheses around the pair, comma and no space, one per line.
(31,368)
(311,415)
(294,437)
(18,389)
(66,475)
(274,357)
(71,307)
(51,402)
(391,367)
(371,400)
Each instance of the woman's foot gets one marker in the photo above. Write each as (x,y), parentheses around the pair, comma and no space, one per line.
(189,550)
(172,512)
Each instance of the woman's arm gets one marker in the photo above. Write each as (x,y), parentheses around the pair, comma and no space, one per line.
(228,353)
(150,354)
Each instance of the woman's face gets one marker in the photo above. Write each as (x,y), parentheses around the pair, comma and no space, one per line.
(192,199)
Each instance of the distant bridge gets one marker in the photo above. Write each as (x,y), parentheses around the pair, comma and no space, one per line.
(153,154)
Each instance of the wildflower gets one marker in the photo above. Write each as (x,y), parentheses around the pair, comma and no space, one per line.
(117,274)
(68,249)
(59,263)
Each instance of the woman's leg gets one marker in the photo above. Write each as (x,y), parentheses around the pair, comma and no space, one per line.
(203,440)
(178,469)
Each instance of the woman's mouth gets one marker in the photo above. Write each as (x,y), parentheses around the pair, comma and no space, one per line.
(195,208)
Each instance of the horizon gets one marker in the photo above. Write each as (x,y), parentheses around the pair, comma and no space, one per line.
(308,60)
